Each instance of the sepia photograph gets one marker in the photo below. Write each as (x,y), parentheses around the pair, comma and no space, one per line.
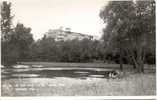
(78,48)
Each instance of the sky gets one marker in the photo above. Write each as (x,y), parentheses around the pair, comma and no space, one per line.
(41,15)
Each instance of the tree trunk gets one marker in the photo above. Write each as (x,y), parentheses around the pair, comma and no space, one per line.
(140,62)
(134,66)
(121,64)
(131,58)
(121,59)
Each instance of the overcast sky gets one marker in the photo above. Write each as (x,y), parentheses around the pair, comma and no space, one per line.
(41,15)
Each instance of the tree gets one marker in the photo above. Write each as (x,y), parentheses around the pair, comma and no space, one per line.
(47,49)
(6,30)
(113,14)
(6,20)
(131,27)
(21,39)
(17,48)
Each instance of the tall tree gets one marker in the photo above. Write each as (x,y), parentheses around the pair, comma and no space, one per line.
(131,27)
(6,19)
(6,29)
(22,39)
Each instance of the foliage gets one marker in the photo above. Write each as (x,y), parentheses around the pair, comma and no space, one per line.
(130,27)
(130,32)
(18,46)
(84,50)
(15,41)
(6,19)
(21,39)
(6,30)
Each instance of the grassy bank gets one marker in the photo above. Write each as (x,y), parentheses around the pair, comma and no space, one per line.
(134,84)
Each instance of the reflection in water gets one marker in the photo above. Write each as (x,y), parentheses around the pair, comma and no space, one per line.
(97,76)
(37,66)
(38,71)
(81,72)
(21,66)
(24,80)
(1,66)
(25,75)
(21,70)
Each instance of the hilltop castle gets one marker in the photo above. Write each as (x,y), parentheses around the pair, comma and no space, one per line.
(66,34)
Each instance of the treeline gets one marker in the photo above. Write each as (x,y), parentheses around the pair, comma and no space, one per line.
(18,45)
(22,48)
(86,50)
(49,50)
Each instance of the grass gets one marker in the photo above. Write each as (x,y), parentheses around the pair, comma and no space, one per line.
(137,84)
(130,84)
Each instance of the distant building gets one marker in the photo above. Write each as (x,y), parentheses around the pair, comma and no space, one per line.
(66,34)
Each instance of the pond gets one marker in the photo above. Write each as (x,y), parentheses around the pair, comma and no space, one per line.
(31,80)
(48,80)
(39,71)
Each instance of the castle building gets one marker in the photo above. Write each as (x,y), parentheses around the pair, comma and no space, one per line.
(66,34)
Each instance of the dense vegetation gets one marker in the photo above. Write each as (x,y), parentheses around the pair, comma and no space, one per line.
(128,38)
(85,50)
(130,29)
